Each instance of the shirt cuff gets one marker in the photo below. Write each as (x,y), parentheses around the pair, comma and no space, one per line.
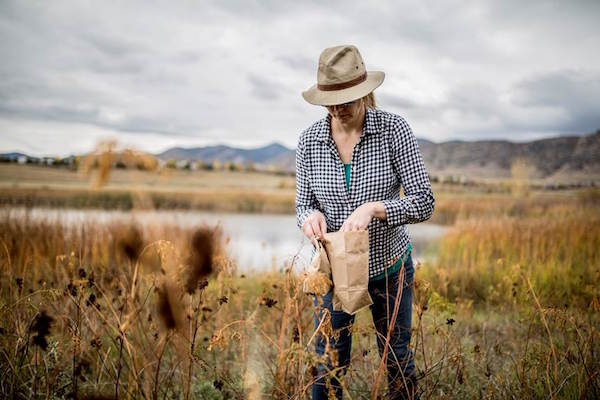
(393,212)
(305,214)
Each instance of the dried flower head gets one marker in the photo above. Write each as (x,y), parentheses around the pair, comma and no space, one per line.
(41,326)
(317,283)
(267,301)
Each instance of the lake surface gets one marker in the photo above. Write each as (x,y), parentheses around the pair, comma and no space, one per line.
(258,242)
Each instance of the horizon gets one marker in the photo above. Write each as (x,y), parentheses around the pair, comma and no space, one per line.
(119,148)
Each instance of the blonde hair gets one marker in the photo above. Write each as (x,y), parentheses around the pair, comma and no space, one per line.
(369,100)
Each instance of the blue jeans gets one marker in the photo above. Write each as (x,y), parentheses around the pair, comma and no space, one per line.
(400,358)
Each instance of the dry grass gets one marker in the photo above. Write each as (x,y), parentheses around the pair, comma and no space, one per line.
(28,176)
(235,191)
(483,259)
(509,310)
(225,200)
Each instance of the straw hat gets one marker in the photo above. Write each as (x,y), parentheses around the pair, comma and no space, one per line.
(342,77)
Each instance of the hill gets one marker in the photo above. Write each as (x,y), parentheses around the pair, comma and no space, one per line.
(561,158)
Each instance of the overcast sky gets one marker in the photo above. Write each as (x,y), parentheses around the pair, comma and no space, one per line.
(185,73)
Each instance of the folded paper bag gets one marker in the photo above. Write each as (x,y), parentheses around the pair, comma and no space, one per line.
(318,277)
(346,255)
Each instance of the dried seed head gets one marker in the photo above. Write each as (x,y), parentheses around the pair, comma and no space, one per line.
(200,261)
(317,283)
(130,242)
(169,307)
(41,326)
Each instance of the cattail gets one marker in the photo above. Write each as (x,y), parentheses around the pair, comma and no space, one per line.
(200,261)
(169,307)
(130,242)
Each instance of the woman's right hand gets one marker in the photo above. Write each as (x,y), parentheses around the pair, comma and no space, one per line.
(315,225)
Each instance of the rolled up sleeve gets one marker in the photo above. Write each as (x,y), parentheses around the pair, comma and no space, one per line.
(418,202)
(306,202)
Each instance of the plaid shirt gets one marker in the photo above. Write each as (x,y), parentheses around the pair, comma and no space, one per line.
(385,158)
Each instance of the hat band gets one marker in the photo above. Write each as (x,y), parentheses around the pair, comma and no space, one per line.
(343,85)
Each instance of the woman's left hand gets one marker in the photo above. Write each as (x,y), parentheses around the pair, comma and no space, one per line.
(359,219)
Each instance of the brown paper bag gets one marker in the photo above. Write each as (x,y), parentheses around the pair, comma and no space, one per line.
(349,259)
(343,257)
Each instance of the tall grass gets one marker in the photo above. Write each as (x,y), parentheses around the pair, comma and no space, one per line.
(509,310)
(483,259)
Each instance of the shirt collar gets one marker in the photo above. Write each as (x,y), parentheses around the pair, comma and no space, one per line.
(370,126)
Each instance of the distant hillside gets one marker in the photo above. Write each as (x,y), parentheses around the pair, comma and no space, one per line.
(565,159)
(273,154)
(561,158)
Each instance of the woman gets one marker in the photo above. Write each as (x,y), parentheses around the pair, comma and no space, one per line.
(350,167)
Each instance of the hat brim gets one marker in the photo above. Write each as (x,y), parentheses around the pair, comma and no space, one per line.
(333,97)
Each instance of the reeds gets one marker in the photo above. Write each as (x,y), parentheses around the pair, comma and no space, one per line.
(482,259)
(510,309)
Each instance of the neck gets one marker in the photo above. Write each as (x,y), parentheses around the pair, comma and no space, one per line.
(349,126)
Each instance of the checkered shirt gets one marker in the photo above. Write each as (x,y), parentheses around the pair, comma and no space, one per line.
(385,158)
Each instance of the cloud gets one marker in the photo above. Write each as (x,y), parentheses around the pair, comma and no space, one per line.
(398,102)
(232,71)
(574,95)
(265,88)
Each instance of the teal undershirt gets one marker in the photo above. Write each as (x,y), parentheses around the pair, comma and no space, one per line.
(401,260)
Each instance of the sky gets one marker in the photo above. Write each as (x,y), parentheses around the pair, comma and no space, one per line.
(158,74)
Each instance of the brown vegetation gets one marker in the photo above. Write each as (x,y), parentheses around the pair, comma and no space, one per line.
(509,309)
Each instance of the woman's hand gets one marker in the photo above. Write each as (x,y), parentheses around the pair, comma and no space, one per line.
(315,225)
(361,217)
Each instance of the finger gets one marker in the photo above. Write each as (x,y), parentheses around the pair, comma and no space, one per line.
(308,230)
(323,226)
(315,227)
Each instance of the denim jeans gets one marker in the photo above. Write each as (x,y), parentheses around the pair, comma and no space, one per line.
(400,358)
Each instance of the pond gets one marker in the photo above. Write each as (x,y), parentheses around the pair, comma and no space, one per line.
(259,242)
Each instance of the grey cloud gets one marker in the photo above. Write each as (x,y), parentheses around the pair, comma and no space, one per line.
(564,102)
(474,97)
(559,88)
(299,62)
(96,116)
(264,88)
(575,93)
(395,101)
(183,67)
(114,46)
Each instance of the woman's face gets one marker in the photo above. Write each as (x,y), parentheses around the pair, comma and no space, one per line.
(346,112)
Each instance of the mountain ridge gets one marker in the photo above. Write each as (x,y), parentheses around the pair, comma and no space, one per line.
(557,156)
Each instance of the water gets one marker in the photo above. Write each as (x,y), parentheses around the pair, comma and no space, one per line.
(259,242)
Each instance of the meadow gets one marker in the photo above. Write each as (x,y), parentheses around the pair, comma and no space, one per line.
(509,309)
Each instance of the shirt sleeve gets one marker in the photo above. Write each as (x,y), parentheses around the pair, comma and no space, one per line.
(418,201)
(306,202)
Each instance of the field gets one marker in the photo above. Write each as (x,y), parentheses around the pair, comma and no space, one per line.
(509,309)
(230,191)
